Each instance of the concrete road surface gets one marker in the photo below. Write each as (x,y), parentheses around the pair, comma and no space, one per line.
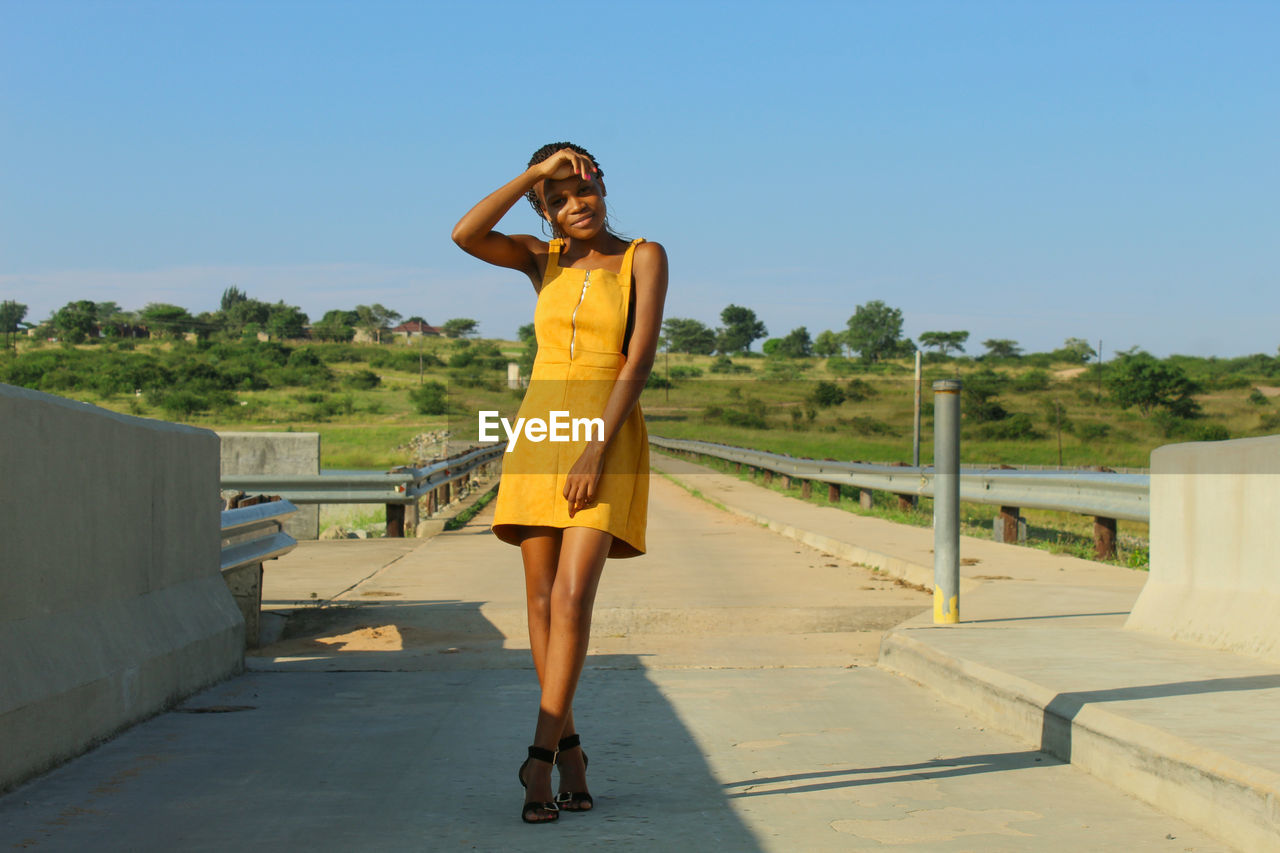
(730,702)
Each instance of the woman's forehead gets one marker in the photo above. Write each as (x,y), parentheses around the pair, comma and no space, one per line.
(569,184)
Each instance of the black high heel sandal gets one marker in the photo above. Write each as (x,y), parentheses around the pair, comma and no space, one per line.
(532,807)
(574,799)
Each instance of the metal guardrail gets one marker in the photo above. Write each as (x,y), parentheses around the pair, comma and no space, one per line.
(252,534)
(403,486)
(1100,494)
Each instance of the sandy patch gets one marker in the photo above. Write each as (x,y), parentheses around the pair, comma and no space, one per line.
(1069,373)
(1269,390)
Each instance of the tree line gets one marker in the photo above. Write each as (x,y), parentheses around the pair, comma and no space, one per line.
(238,315)
(873,333)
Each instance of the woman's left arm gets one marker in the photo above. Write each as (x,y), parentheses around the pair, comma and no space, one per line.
(649,269)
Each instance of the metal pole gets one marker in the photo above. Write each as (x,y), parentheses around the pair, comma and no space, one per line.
(915,445)
(946,502)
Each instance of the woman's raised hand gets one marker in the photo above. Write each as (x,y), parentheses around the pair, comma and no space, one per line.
(566,163)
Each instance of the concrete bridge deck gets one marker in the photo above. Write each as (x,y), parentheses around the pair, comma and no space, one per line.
(732,697)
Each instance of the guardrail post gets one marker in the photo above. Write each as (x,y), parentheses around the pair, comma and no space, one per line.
(806,489)
(395,521)
(768,476)
(946,501)
(866,499)
(906,503)
(786,481)
(1005,528)
(1104,538)
(833,493)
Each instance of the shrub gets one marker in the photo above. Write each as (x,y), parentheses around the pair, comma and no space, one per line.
(430,398)
(826,395)
(685,371)
(1208,432)
(858,390)
(184,403)
(474,377)
(841,366)
(1258,398)
(401,358)
(1012,428)
(1173,426)
(1092,431)
(1230,382)
(1032,380)
(734,417)
(724,364)
(655,380)
(362,380)
(866,426)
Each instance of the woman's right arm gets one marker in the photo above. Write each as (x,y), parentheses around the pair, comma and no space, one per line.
(474,232)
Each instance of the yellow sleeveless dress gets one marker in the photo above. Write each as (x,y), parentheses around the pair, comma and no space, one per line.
(581,324)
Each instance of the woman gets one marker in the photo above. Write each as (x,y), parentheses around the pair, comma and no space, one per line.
(570,504)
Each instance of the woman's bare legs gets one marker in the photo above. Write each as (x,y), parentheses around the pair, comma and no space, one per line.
(562,574)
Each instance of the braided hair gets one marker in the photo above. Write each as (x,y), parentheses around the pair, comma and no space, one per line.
(544,153)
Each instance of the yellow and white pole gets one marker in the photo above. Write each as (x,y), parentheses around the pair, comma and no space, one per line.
(946,502)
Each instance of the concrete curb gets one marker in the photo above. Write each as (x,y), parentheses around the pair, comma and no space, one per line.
(1234,801)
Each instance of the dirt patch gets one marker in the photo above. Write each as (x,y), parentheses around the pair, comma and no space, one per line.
(1069,373)
(1269,390)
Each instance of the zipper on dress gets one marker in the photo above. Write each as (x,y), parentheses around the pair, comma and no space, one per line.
(573,320)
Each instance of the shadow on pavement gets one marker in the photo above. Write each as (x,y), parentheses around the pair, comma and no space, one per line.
(939,768)
(416,758)
(1060,713)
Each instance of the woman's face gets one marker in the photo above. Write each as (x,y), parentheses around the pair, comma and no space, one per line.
(574,207)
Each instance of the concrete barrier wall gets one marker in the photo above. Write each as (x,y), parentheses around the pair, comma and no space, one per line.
(1215,546)
(113,606)
(277,453)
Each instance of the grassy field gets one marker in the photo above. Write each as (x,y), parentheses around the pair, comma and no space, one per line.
(1053,412)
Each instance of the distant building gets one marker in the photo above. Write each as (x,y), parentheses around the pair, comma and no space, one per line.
(407,332)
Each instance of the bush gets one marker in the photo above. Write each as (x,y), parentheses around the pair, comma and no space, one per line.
(866,426)
(1032,380)
(826,395)
(362,380)
(857,390)
(724,364)
(1230,382)
(1012,428)
(1258,398)
(474,377)
(403,358)
(841,366)
(685,371)
(655,380)
(1210,432)
(733,417)
(1092,431)
(183,403)
(430,398)
(1173,426)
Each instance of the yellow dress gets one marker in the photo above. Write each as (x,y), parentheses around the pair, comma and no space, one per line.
(581,324)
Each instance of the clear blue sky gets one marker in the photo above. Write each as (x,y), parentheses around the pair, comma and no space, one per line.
(1024,170)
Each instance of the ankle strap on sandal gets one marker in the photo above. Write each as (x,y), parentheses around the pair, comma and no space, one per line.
(569,742)
(543,754)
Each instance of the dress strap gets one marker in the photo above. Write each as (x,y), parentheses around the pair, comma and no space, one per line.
(553,253)
(624,274)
